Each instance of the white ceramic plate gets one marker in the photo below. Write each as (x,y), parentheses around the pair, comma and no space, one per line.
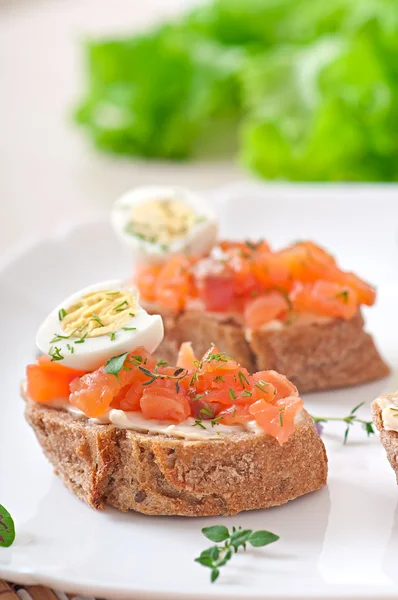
(341,542)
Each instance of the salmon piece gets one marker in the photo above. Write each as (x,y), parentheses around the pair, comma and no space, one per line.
(129,397)
(186,358)
(236,415)
(222,396)
(272,270)
(214,281)
(48,381)
(274,384)
(325,298)
(366,294)
(307,266)
(221,378)
(245,249)
(266,308)
(161,401)
(277,419)
(203,407)
(54,366)
(174,283)
(147,276)
(94,392)
(315,251)
(245,282)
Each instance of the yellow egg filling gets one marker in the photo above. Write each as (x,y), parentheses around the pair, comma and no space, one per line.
(99,313)
(161,221)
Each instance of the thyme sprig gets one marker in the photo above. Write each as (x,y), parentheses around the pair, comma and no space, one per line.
(218,556)
(350,420)
(154,375)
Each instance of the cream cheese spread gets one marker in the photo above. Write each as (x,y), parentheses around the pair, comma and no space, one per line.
(136,421)
(389,411)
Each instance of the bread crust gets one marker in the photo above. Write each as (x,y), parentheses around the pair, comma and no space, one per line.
(314,356)
(159,475)
(389,439)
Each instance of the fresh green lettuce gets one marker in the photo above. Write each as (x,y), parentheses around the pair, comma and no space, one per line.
(310,87)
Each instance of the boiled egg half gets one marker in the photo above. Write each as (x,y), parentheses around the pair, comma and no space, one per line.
(97,323)
(156,222)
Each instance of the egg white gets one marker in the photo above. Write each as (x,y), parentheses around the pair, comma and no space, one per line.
(95,351)
(198,241)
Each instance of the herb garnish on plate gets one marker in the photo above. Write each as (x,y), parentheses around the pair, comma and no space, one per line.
(7,528)
(218,556)
(350,419)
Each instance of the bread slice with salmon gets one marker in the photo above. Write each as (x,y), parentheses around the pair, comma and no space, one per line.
(203,437)
(294,311)
(318,355)
(159,475)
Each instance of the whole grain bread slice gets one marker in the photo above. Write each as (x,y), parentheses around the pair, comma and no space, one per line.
(389,439)
(159,475)
(314,356)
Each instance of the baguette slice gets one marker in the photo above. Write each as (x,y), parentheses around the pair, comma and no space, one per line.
(315,356)
(389,439)
(159,475)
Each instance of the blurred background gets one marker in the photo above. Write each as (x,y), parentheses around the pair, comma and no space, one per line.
(99,96)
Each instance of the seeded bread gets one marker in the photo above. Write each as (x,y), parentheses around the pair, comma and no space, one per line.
(159,475)
(389,439)
(315,356)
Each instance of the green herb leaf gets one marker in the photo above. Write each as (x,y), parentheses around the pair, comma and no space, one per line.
(357,407)
(130,328)
(262,538)
(146,372)
(7,528)
(217,556)
(162,363)
(61,314)
(216,533)
(214,574)
(114,365)
(112,336)
(206,561)
(240,537)
(219,378)
(368,426)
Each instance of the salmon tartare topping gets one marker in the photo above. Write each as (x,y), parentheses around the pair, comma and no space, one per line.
(259,284)
(215,388)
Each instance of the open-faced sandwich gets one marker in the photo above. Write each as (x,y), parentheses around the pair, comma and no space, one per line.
(204,437)
(292,310)
(385,417)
